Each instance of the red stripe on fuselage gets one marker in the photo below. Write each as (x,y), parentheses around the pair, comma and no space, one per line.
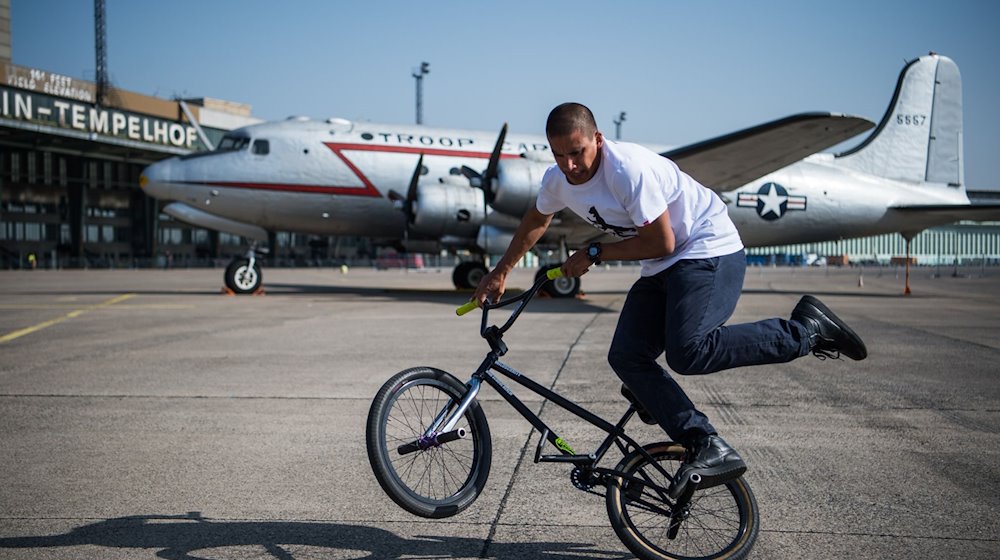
(285,187)
(338,149)
(408,150)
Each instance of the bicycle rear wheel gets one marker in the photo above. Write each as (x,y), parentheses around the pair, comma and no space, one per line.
(423,476)
(722,522)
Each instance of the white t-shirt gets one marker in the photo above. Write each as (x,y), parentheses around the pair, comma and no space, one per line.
(633,187)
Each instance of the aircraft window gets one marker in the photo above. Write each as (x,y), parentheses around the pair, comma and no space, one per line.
(233,143)
(261,147)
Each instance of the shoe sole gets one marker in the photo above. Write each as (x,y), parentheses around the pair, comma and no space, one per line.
(714,476)
(848,331)
(720,475)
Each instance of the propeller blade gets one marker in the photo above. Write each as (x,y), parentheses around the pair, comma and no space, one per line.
(491,169)
(411,192)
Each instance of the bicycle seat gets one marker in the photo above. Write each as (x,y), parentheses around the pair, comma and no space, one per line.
(643,414)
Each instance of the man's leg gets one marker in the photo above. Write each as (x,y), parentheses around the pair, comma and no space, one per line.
(701,296)
(637,344)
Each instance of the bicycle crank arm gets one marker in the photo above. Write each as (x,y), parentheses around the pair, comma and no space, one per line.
(435,440)
(681,509)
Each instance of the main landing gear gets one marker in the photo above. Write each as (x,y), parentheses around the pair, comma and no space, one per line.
(467,275)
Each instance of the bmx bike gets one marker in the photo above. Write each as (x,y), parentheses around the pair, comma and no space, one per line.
(429,446)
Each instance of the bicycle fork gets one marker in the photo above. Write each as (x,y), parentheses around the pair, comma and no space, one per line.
(436,434)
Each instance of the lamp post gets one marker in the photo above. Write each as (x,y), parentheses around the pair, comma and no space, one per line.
(618,125)
(419,75)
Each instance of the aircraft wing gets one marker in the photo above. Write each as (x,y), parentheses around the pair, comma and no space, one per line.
(730,161)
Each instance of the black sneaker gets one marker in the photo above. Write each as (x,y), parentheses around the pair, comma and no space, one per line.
(712,459)
(828,335)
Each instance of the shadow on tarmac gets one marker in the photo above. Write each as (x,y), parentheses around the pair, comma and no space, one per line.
(178,537)
(540,304)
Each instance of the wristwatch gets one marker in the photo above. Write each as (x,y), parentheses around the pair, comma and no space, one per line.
(594,252)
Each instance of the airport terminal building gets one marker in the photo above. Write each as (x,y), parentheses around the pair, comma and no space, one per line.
(69,170)
(70,196)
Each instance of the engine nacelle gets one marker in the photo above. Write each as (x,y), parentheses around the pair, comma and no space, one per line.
(517,184)
(494,241)
(442,209)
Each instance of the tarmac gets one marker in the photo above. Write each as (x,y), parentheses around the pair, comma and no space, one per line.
(144,414)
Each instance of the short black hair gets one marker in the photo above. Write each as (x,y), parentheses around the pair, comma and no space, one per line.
(569,117)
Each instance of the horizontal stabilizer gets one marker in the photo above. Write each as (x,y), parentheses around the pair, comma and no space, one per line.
(733,160)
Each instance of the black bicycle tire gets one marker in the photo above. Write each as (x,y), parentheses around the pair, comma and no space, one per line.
(379,449)
(737,549)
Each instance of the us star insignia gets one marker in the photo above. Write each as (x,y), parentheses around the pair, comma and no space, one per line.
(772,201)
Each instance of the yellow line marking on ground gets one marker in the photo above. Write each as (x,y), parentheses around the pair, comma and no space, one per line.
(71,315)
(131,307)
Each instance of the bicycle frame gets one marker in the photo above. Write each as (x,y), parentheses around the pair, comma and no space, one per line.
(449,416)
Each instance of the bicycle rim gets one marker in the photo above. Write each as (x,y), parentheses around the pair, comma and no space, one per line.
(723,521)
(440,480)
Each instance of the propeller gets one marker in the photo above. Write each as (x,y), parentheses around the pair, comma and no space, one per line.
(406,203)
(484,180)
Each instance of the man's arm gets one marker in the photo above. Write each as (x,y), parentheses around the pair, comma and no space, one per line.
(533,226)
(654,240)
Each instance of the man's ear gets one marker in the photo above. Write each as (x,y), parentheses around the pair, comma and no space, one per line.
(599,138)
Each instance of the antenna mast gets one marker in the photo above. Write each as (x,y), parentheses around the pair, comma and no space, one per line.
(101,43)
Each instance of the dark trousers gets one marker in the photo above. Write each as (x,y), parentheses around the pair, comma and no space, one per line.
(680,311)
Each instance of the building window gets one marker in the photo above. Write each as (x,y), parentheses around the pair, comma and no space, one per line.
(92,174)
(15,167)
(108,176)
(32,167)
(47,167)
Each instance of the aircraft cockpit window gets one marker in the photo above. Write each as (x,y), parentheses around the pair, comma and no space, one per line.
(233,143)
(261,147)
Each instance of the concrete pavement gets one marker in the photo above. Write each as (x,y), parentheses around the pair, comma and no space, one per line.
(143,414)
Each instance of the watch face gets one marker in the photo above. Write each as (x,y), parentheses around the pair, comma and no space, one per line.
(593,251)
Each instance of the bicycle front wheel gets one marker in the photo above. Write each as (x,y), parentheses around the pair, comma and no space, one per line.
(429,476)
(720,522)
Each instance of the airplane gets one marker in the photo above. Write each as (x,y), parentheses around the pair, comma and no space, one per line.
(427,189)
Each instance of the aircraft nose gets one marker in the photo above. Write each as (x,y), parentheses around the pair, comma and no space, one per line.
(155,179)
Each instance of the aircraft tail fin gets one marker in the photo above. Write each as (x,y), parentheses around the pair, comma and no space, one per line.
(920,137)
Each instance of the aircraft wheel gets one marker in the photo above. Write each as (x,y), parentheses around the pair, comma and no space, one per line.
(467,275)
(241,278)
(560,287)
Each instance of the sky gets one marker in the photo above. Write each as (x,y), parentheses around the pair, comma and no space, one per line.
(681,71)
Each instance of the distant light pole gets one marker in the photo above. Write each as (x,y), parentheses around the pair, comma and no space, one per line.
(424,69)
(618,125)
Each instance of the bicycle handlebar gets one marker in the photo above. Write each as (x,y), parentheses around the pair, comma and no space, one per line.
(551,274)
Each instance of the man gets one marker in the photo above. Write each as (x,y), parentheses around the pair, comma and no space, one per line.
(693,265)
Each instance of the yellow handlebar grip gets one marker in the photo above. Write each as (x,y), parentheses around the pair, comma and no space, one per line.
(554,273)
(473,304)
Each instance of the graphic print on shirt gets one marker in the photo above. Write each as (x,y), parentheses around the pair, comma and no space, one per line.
(597,221)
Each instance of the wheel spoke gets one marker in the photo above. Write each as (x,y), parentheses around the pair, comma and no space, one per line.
(438,472)
(714,522)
